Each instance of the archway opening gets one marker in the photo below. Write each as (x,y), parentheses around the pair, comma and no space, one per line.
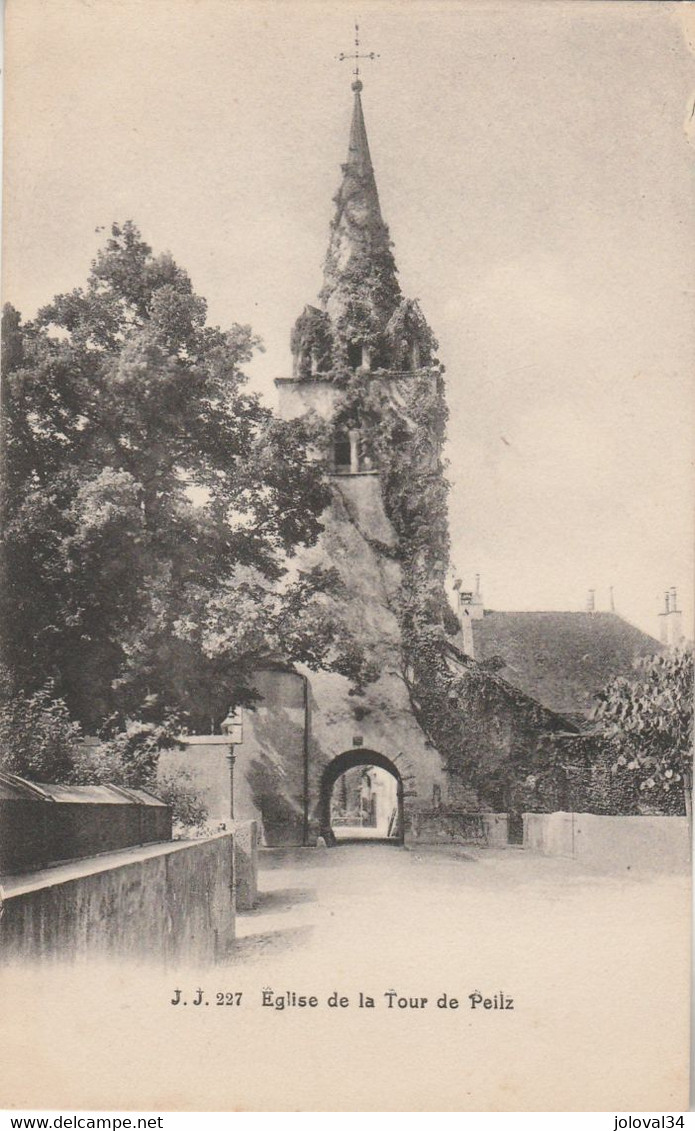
(361,799)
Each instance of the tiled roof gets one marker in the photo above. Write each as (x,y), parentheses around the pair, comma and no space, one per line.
(561,659)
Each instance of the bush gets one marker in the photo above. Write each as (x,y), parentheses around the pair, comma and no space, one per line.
(125,757)
(178,791)
(38,739)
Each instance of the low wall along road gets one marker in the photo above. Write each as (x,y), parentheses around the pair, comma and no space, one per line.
(641,843)
(163,902)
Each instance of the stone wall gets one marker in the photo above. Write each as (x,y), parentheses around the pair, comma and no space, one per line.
(246,864)
(279,763)
(642,843)
(297,397)
(268,764)
(449,826)
(269,781)
(162,903)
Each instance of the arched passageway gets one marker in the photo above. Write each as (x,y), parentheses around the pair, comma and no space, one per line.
(364,806)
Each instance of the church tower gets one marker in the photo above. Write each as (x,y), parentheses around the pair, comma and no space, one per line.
(363,363)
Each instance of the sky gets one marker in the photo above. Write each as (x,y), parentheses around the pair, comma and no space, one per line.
(534,164)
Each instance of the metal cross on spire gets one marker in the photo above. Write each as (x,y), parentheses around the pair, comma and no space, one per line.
(356,55)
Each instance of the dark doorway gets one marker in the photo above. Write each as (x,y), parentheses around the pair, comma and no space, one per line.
(357,802)
(515,828)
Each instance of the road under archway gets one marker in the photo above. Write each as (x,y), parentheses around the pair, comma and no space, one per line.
(335,770)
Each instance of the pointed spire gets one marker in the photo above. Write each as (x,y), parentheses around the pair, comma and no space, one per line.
(359,264)
(359,159)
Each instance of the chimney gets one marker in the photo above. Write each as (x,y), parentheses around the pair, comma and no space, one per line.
(476,609)
(465,603)
(611,597)
(591,601)
(671,620)
(470,608)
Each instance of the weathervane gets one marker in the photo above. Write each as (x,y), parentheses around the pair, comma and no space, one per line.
(357,85)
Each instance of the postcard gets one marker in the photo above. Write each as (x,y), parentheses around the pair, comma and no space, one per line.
(346,713)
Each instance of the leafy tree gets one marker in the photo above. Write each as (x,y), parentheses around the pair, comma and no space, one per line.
(649,724)
(151,504)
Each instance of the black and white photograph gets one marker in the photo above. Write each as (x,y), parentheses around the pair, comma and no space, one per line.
(346,508)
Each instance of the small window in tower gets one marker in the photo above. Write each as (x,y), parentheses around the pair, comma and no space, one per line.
(355,355)
(322,361)
(341,450)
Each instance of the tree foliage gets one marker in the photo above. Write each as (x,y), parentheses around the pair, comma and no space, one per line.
(648,722)
(40,742)
(151,504)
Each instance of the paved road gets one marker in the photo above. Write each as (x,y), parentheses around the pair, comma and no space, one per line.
(364,900)
(594,964)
